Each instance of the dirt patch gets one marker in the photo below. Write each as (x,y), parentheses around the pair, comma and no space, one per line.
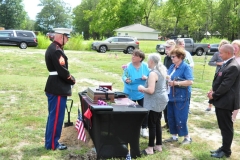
(69,138)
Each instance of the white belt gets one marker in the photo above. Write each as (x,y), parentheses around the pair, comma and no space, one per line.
(53,73)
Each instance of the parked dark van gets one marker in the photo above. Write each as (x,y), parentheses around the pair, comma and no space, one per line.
(20,38)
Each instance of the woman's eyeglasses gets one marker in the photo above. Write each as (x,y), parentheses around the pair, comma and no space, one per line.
(173,57)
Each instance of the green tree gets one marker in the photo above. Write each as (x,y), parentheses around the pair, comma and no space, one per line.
(228,19)
(104,18)
(147,7)
(12,14)
(28,24)
(182,17)
(129,12)
(164,24)
(55,13)
(81,20)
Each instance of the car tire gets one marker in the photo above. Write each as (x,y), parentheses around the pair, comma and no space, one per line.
(23,45)
(130,50)
(124,51)
(102,49)
(199,52)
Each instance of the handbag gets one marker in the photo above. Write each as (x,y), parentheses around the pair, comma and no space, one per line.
(120,95)
(179,79)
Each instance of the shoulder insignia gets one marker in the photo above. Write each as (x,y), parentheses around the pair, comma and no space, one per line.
(61,61)
(58,47)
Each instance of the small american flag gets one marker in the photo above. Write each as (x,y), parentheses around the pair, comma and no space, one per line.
(80,127)
(128,157)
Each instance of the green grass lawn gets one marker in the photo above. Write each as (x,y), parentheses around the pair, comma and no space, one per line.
(24,105)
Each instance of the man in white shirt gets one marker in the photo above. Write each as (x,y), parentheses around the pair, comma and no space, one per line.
(188,59)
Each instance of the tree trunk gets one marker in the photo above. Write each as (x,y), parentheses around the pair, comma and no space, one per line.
(176,23)
(146,20)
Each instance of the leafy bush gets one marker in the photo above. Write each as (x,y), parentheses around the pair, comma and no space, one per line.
(149,46)
(212,40)
(76,42)
(43,41)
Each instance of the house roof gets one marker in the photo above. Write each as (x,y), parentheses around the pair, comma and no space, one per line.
(207,33)
(136,28)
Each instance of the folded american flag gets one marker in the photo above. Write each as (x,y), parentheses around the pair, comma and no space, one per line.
(80,127)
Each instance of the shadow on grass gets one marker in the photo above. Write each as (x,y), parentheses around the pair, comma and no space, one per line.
(39,152)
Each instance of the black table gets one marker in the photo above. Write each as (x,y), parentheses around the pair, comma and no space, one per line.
(111,131)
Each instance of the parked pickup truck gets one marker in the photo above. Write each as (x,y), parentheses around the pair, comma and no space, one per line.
(190,46)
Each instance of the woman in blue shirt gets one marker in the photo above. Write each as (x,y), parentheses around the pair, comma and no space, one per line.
(179,81)
(134,75)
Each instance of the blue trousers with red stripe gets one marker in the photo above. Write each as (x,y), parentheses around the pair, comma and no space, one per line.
(56,112)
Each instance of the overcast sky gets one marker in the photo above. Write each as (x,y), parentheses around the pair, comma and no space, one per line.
(32,8)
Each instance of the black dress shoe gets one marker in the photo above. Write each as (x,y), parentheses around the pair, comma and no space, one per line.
(61,147)
(61,144)
(216,151)
(219,154)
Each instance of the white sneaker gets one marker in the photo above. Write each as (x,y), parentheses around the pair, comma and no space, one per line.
(145,132)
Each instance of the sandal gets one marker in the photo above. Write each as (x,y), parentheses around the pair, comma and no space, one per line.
(144,152)
(157,148)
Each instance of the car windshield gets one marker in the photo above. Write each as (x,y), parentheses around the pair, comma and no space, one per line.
(214,45)
(109,39)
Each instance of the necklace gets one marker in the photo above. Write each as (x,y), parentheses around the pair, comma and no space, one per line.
(137,67)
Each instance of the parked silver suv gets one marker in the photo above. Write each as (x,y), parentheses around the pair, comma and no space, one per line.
(125,44)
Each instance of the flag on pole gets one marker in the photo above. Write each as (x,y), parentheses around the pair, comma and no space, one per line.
(128,157)
(80,127)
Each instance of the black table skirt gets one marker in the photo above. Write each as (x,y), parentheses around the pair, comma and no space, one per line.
(111,131)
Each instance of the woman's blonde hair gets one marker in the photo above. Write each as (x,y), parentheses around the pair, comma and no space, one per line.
(224,41)
(237,42)
(158,64)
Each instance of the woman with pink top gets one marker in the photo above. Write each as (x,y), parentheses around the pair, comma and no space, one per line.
(236,46)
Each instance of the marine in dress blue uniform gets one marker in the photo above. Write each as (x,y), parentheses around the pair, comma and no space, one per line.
(58,87)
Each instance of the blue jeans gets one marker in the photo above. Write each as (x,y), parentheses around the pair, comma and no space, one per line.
(177,117)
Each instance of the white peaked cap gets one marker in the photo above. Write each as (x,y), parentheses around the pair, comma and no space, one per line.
(62,30)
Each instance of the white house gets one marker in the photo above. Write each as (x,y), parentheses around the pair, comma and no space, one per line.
(139,31)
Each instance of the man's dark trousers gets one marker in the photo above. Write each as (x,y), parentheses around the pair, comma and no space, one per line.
(224,118)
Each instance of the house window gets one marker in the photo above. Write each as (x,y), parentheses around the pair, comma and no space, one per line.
(126,34)
(119,34)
